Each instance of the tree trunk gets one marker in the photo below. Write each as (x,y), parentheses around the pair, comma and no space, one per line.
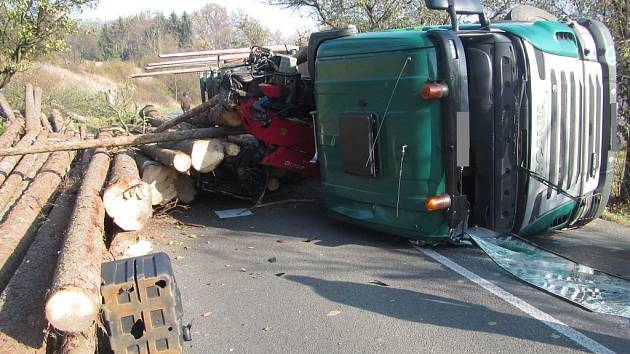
(22,322)
(159,177)
(56,120)
(13,130)
(205,155)
(130,140)
(198,110)
(15,235)
(127,199)
(74,300)
(217,116)
(186,191)
(180,161)
(27,166)
(79,343)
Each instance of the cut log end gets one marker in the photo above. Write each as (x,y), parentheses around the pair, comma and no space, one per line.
(273,184)
(128,203)
(206,155)
(232,149)
(71,310)
(182,162)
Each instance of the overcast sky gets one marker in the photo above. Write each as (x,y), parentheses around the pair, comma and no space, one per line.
(274,18)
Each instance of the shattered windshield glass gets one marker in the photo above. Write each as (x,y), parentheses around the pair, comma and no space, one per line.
(582,285)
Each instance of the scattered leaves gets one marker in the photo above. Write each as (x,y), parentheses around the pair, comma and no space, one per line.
(192,236)
(267,329)
(243,270)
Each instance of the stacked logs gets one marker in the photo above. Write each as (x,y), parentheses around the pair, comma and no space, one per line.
(167,167)
(55,210)
(36,198)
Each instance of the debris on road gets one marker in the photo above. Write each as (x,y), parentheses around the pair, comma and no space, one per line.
(233,213)
(333,313)
(272,260)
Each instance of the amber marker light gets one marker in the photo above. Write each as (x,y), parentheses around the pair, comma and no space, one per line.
(438,202)
(434,91)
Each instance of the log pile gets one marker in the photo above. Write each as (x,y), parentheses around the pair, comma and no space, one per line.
(58,190)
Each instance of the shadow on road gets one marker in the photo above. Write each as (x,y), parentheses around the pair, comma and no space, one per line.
(429,309)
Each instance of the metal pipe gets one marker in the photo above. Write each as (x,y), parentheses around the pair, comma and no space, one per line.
(202,60)
(281,48)
(170,72)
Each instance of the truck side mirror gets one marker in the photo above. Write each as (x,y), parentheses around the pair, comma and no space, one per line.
(463,7)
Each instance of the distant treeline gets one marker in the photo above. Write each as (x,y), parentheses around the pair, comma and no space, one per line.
(147,34)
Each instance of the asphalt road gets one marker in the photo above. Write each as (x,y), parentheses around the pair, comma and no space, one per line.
(290,280)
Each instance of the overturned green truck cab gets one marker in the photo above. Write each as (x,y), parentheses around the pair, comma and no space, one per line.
(424,132)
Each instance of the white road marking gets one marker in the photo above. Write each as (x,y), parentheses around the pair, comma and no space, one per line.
(520,304)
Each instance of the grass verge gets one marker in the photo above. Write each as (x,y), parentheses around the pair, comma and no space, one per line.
(618,213)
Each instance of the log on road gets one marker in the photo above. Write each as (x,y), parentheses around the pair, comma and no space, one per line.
(27,165)
(25,295)
(128,140)
(160,178)
(16,231)
(74,300)
(127,199)
(178,160)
